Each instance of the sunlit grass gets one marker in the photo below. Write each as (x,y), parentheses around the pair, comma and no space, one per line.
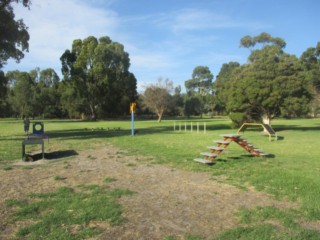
(293,174)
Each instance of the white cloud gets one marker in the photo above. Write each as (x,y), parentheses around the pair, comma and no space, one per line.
(53,25)
(165,44)
(194,19)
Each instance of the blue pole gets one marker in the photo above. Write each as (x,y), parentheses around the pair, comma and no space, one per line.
(132,123)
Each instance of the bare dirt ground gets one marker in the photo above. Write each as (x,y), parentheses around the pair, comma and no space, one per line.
(169,202)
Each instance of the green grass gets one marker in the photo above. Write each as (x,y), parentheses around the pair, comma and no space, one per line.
(66,213)
(268,223)
(293,174)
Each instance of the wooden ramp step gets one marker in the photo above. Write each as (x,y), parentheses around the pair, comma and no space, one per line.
(215,148)
(202,160)
(222,142)
(263,154)
(209,154)
(257,149)
(231,135)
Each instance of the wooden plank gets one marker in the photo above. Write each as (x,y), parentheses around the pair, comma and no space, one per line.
(215,148)
(230,135)
(209,154)
(201,160)
(264,154)
(269,129)
(222,142)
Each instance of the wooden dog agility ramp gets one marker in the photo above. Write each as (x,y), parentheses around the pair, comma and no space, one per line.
(221,145)
(267,129)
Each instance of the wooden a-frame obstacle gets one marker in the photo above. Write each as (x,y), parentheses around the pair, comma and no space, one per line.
(215,151)
(267,129)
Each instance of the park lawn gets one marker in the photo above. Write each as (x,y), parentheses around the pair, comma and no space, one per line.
(292,174)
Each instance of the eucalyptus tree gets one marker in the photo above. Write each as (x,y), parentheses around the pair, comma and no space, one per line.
(3,94)
(21,92)
(98,73)
(271,84)
(222,84)
(200,86)
(46,95)
(310,60)
(201,81)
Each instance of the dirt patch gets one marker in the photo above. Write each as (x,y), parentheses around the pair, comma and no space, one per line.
(169,202)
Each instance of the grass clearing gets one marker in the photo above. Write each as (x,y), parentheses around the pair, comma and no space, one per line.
(293,174)
(67,213)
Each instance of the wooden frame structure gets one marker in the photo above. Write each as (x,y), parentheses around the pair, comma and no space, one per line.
(267,128)
(215,151)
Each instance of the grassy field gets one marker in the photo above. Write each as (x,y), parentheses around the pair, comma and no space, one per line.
(292,174)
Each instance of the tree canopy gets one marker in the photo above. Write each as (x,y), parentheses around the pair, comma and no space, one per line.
(201,81)
(271,84)
(97,71)
(14,37)
(157,97)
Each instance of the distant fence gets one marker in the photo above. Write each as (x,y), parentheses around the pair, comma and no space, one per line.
(190,126)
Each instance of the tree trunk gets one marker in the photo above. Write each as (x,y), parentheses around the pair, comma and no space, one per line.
(93,115)
(160,113)
(266,119)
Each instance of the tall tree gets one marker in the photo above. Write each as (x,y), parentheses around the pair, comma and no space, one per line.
(201,81)
(200,86)
(157,97)
(98,71)
(46,97)
(310,60)
(222,84)
(271,84)
(14,36)
(21,92)
(3,93)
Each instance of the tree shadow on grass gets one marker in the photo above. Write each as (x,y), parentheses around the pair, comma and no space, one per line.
(279,128)
(88,133)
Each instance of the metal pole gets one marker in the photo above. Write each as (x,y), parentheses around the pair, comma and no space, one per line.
(132,123)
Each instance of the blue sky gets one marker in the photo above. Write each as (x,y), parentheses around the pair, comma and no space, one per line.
(166,38)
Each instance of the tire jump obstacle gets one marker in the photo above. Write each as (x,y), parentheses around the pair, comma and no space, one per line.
(36,138)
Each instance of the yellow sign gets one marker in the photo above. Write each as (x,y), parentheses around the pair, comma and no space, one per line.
(132,107)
